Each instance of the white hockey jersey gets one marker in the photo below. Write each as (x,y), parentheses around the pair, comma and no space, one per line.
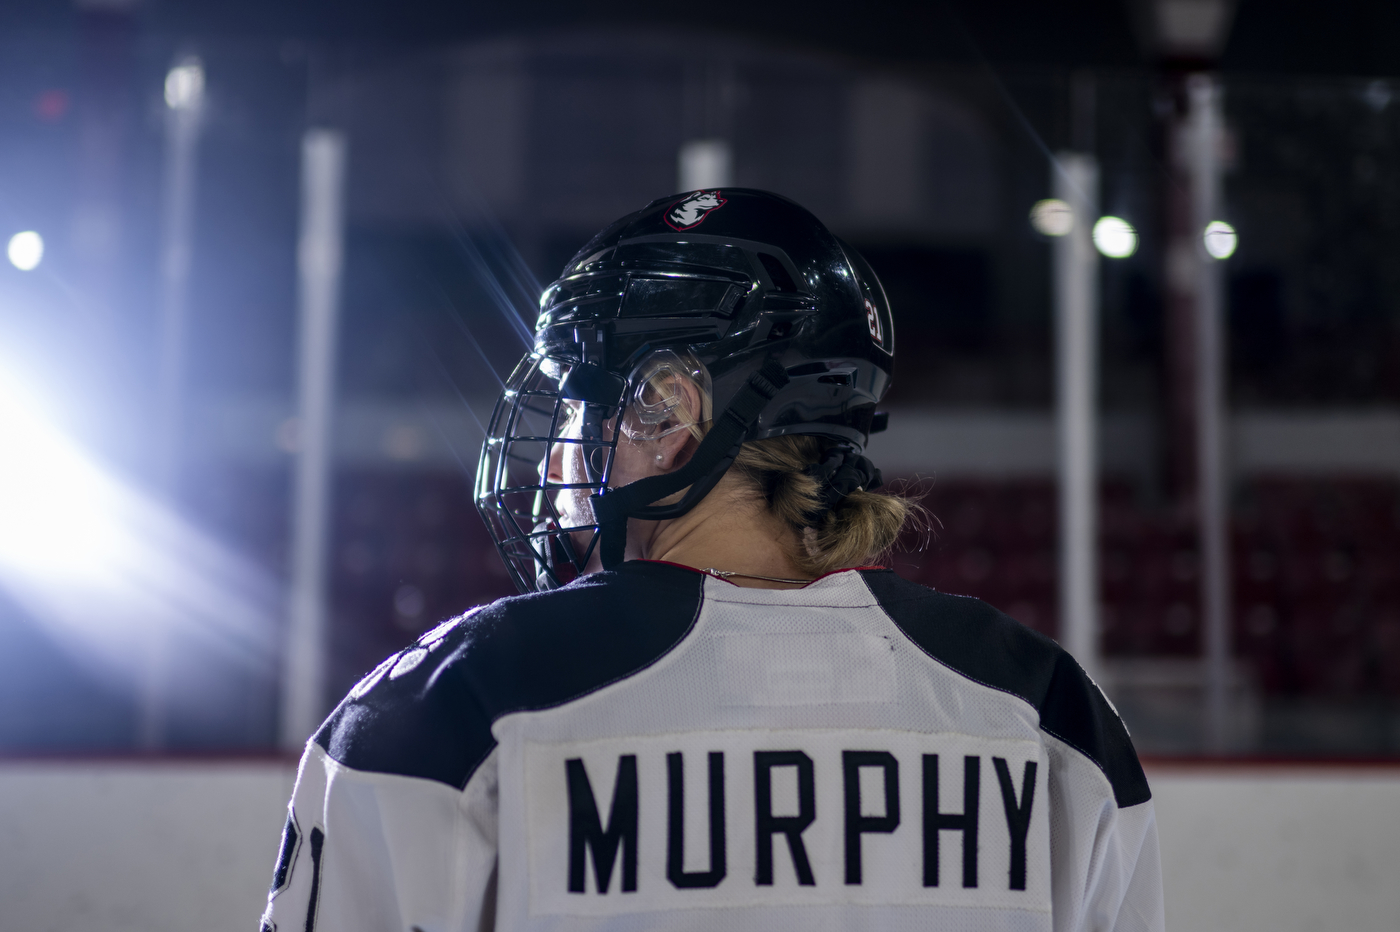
(652,747)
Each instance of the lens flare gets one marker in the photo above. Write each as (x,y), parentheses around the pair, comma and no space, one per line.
(184,85)
(1052,217)
(1220,239)
(106,568)
(1115,237)
(26,250)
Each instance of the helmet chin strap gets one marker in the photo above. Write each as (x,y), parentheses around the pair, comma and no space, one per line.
(709,464)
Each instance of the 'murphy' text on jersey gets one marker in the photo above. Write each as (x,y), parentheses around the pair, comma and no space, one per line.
(735,818)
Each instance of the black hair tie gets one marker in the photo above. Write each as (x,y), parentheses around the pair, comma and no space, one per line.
(843,471)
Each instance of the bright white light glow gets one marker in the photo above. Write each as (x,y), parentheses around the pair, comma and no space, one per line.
(26,250)
(1221,240)
(1115,237)
(1052,217)
(104,567)
(184,85)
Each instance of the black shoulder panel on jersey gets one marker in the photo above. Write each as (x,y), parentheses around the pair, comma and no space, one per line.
(427,711)
(994,649)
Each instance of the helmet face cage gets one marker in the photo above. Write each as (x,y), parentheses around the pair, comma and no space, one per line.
(542,547)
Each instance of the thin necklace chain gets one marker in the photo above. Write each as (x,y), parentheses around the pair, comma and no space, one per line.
(725,574)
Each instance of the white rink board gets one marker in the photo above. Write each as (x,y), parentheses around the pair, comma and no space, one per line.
(120,846)
(117,846)
(1278,849)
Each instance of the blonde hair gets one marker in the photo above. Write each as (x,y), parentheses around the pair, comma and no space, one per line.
(856,531)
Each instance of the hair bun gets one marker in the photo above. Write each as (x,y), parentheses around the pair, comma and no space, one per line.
(820,489)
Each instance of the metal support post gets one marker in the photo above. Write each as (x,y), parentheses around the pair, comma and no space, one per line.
(1203,133)
(183,119)
(184,97)
(1076,267)
(320,252)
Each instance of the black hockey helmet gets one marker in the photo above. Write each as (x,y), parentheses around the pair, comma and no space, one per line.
(783,326)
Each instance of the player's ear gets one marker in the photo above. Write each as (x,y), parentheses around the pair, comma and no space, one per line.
(679,440)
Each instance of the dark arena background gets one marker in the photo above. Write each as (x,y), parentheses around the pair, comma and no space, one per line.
(268,265)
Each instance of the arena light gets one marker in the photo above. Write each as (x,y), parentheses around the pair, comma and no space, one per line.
(51,501)
(104,567)
(1115,237)
(1220,239)
(26,250)
(184,85)
(1052,217)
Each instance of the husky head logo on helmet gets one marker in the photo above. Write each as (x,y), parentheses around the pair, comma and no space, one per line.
(691,211)
(764,325)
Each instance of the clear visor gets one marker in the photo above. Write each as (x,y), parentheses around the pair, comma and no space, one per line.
(657,397)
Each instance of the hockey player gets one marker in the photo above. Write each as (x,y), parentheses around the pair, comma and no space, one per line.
(707,710)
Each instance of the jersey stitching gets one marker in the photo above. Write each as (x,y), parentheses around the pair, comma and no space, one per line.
(800,605)
(1090,758)
(1068,743)
(690,629)
(1087,756)
(847,569)
(949,667)
(734,598)
(844,569)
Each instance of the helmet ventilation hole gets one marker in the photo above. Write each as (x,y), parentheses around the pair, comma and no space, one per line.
(782,281)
